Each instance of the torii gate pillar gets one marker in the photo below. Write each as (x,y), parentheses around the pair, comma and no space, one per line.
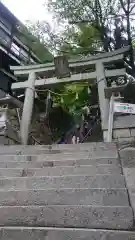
(103,102)
(27,108)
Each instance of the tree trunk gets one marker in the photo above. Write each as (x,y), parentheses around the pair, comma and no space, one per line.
(130,44)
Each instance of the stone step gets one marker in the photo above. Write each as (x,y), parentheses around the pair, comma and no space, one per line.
(66,196)
(93,149)
(78,216)
(58,171)
(40,162)
(71,181)
(128,157)
(130,183)
(98,148)
(85,146)
(82,146)
(129,177)
(127,152)
(50,159)
(24,156)
(45,233)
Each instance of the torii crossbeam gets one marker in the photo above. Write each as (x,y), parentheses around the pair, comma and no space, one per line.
(100,73)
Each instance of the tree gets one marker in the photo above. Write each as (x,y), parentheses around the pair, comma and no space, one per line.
(98,25)
(128,6)
(34,42)
(81,40)
(70,40)
(110,18)
(94,12)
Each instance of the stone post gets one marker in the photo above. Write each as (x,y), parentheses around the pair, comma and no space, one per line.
(27,108)
(103,102)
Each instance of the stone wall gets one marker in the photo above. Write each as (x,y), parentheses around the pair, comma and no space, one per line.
(9,127)
(126,134)
(123,129)
(127,157)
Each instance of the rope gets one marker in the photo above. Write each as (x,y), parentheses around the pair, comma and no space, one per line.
(58,94)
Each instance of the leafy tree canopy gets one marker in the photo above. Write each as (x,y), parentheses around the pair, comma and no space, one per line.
(34,42)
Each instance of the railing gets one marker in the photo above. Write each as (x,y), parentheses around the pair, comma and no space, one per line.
(10,43)
(89,133)
(17,51)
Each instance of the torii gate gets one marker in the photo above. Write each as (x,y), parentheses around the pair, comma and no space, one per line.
(32,71)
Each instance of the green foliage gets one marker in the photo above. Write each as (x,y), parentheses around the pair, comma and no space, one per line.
(73,97)
(82,9)
(34,43)
(104,16)
(80,40)
(133,43)
(95,12)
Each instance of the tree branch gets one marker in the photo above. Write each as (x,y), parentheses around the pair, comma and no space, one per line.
(132,8)
(122,4)
(128,7)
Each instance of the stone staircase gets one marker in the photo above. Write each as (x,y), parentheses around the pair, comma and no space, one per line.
(66,192)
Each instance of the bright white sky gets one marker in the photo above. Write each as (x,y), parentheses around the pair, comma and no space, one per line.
(28,9)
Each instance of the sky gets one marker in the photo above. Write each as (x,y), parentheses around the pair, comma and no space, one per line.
(28,9)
